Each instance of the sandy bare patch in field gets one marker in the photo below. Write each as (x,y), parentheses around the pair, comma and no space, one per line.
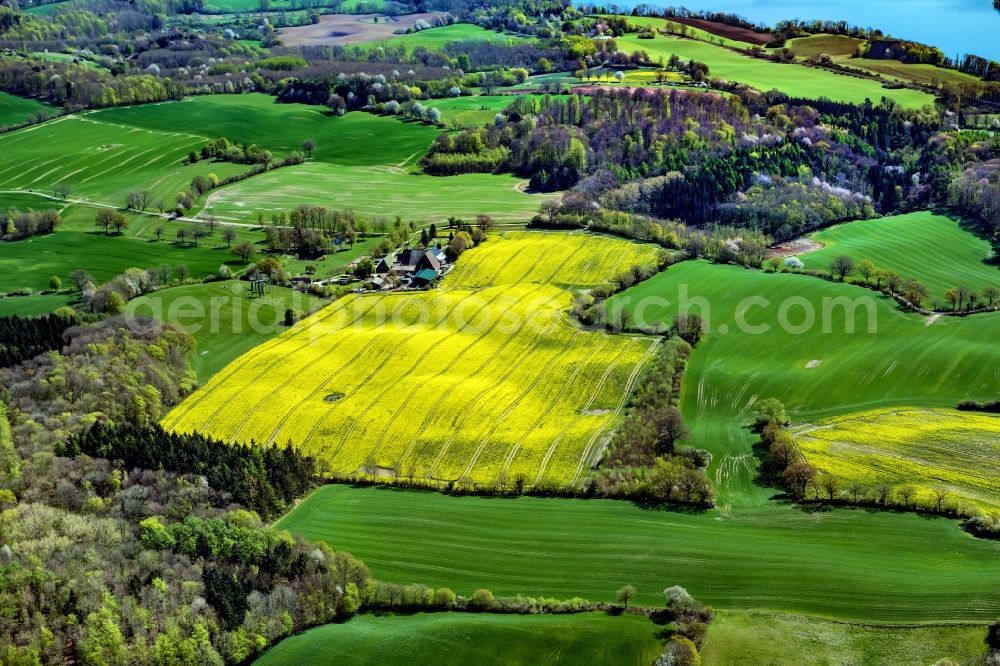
(346,29)
(727,31)
(794,247)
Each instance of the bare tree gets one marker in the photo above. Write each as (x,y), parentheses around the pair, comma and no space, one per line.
(905,494)
(940,496)
(200,231)
(830,486)
(229,235)
(991,294)
(842,266)
(244,251)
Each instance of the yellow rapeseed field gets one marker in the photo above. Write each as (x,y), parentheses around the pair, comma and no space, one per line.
(482,379)
(928,449)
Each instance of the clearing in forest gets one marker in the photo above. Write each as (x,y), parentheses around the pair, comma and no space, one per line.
(481,380)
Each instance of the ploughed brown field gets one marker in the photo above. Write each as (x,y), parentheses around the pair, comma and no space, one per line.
(727,31)
(346,29)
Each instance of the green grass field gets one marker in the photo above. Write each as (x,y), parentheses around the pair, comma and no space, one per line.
(456,639)
(31,262)
(376,191)
(765,75)
(471,111)
(917,73)
(100,161)
(769,639)
(355,139)
(406,371)
(436,38)
(836,46)
(818,371)
(696,33)
(15,110)
(223,320)
(778,558)
(931,248)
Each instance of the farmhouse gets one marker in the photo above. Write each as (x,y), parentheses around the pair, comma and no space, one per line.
(412,267)
(411,261)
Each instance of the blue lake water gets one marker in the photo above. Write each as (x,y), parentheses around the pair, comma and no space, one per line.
(956,27)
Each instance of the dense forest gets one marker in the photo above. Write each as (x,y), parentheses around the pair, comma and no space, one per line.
(776,165)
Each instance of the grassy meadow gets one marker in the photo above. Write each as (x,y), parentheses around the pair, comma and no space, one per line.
(859,352)
(771,639)
(436,38)
(376,191)
(221,317)
(925,246)
(456,639)
(102,162)
(470,111)
(926,448)
(355,139)
(78,243)
(695,33)
(793,79)
(835,46)
(766,558)
(15,110)
(481,380)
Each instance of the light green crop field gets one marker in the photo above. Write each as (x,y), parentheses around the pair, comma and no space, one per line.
(481,380)
(793,79)
(769,639)
(917,73)
(861,354)
(924,246)
(775,557)
(696,33)
(436,38)
(15,110)
(356,139)
(925,448)
(254,5)
(835,46)
(457,639)
(36,304)
(471,111)
(376,191)
(101,161)
(221,317)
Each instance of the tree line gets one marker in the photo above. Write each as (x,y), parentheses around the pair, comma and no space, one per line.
(22,338)
(265,479)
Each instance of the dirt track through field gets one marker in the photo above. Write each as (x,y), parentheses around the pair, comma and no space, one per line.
(346,29)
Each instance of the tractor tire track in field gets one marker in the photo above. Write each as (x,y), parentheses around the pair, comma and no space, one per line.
(239,364)
(551,406)
(429,417)
(493,385)
(514,405)
(517,445)
(294,375)
(530,270)
(588,455)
